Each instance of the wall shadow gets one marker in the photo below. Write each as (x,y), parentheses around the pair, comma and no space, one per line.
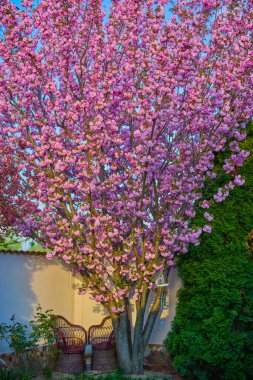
(17,295)
(99,309)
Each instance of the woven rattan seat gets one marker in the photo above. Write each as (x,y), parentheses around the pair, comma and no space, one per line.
(71,341)
(102,339)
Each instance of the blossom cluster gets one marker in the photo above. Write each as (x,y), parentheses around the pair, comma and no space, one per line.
(118,121)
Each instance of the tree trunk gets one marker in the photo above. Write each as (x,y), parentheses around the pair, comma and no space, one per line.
(130,351)
(121,331)
(138,343)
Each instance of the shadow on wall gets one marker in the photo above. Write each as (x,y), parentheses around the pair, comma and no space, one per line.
(99,309)
(166,316)
(87,311)
(17,295)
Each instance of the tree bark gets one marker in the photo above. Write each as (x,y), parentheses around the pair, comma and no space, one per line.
(138,343)
(121,331)
(130,351)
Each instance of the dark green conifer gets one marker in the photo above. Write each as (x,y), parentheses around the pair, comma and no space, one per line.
(212,334)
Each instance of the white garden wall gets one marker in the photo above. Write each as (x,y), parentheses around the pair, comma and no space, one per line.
(28,279)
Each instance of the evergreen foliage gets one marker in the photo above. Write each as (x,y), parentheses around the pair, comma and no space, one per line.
(212,337)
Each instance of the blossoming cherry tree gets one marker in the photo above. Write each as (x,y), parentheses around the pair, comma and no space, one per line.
(116,121)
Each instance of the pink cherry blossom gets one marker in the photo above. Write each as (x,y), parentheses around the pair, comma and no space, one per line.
(207,229)
(239,181)
(115,123)
(208,217)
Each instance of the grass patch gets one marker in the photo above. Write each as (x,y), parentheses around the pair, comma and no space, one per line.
(120,376)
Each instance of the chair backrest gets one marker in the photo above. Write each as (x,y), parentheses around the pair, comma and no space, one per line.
(69,334)
(102,333)
(62,322)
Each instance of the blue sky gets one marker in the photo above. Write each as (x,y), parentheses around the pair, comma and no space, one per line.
(18,2)
(106,3)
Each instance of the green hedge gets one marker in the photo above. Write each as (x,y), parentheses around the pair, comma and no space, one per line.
(212,336)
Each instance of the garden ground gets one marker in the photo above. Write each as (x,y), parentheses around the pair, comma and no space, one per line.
(149,375)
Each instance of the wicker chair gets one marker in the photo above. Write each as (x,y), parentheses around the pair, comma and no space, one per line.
(71,341)
(102,339)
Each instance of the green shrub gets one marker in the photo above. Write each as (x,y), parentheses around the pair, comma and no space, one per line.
(16,335)
(212,336)
(9,373)
(42,332)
